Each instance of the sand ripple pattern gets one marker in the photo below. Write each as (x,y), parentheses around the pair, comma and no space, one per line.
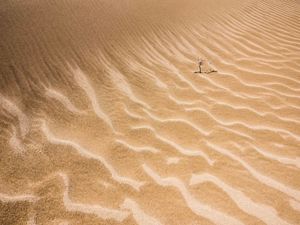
(103,120)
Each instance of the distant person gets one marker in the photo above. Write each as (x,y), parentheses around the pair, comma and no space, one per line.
(200,63)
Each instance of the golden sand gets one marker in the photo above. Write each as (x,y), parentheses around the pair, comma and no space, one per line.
(103,120)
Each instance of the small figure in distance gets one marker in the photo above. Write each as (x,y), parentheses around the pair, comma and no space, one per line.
(207,70)
(200,63)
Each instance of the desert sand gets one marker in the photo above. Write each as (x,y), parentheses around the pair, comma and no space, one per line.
(103,120)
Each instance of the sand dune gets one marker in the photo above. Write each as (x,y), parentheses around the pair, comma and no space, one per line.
(104,120)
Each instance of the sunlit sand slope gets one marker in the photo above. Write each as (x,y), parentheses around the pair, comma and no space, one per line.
(103,120)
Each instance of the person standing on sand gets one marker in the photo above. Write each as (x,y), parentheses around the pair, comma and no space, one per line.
(200,63)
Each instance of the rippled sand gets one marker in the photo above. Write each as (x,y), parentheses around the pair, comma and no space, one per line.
(103,120)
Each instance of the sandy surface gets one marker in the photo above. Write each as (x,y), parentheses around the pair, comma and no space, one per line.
(103,120)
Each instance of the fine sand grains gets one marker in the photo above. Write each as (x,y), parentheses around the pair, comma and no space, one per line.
(103,120)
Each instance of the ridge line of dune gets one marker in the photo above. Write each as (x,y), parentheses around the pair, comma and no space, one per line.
(196,206)
(87,154)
